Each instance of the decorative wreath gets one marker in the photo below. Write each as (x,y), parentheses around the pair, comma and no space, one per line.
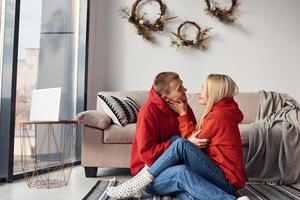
(224,15)
(181,41)
(144,26)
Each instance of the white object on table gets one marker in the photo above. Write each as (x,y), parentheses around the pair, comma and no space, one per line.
(45,104)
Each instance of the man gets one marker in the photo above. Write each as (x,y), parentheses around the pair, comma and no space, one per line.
(156,122)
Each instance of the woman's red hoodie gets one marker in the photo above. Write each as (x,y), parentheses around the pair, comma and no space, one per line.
(220,126)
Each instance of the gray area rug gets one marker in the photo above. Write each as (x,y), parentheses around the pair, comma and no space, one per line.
(98,192)
(253,191)
(272,192)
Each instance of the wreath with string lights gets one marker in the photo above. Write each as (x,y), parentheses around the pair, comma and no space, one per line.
(225,15)
(144,26)
(180,39)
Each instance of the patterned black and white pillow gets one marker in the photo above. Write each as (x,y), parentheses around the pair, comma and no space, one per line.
(121,111)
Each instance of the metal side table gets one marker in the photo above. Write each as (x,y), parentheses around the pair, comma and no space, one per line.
(48,152)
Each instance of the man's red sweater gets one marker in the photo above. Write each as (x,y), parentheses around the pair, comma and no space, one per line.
(220,126)
(156,123)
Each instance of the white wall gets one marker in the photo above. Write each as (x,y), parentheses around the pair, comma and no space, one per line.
(261,52)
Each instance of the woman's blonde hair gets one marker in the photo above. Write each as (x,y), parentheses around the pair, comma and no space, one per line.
(218,86)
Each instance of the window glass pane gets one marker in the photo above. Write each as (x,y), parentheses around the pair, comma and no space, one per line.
(1,40)
(1,46)
(9,26)
(45,60)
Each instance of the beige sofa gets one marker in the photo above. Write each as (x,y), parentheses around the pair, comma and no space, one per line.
(108,145)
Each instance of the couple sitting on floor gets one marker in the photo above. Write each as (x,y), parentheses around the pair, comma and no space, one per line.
(173,155)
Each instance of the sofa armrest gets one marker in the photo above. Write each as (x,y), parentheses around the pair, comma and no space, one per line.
(94,118)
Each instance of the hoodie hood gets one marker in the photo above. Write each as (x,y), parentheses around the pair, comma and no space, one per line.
(230,107)
(158,101)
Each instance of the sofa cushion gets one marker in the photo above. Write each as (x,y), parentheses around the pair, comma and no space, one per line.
(122,112)
(93,118)
(124,135)
(249,104)
(245,130)
(119,135)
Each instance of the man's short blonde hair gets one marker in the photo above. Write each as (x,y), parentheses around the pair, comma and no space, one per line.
(162,82)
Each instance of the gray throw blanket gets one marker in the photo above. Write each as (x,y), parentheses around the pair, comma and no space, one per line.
(274,145)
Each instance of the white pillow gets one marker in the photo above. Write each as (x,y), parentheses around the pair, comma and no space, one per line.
(121,111)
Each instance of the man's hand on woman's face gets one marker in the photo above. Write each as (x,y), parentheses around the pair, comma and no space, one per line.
(200,143)
(179,107)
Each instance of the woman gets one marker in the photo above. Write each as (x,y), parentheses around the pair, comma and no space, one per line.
(219,170)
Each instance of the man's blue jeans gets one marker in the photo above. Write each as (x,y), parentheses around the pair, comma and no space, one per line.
(187,172)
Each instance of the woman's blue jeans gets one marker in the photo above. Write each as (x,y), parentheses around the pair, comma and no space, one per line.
(187,172)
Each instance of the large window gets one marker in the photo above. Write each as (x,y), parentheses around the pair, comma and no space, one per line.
(27,68)
(46,58)
(49,50)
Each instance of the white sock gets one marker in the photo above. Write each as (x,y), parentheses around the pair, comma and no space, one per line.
(243,198)
(131,188)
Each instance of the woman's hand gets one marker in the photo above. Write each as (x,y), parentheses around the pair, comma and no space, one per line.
(200,143)
(179,107)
